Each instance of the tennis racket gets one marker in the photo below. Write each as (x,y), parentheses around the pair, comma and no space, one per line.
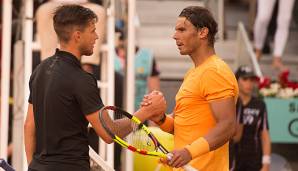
(119,124)
(4,165)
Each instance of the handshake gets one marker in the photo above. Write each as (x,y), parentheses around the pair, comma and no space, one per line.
(154,106)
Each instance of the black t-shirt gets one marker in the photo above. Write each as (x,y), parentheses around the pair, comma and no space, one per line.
(253,116)
(62,94)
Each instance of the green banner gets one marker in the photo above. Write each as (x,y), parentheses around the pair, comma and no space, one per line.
(283,119)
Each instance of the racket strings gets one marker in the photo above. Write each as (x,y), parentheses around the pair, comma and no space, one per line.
(138,137)
(118,124)
(140,140)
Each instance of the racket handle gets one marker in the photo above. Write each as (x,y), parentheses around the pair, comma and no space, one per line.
(185,167)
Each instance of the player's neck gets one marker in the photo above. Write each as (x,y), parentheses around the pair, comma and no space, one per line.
(244,98)
(71,49)
(201,54)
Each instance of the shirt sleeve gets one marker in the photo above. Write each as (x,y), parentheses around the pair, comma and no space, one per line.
(87,95)
(216,86)
(264,119)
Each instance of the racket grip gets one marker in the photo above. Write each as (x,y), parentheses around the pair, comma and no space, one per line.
(185,167)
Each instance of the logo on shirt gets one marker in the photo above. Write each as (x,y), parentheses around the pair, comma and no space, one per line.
(250,115)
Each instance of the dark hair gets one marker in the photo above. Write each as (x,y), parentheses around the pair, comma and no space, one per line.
(68,17)
(201,17)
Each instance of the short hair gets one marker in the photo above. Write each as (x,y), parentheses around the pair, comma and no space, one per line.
(201,17)
(68,17)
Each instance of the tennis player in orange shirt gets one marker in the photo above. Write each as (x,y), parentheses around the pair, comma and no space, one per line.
(203,120)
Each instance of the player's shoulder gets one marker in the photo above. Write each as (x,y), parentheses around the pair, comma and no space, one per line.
(215,63)
(84,77)
(43,65)
(218,67)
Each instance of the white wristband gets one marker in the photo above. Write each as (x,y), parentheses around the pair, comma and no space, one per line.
(266,159)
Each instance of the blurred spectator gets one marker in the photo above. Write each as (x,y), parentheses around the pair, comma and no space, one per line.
(271,29)
(250,148)
(48,39)
(264,12)
(147,73)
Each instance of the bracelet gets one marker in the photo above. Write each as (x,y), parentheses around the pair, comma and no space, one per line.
(266,159)
(162,120)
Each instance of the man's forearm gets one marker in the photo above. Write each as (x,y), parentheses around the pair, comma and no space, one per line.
(224,112)
(266,146)
(220,134)
(30,142)
(266,143)
(213,140)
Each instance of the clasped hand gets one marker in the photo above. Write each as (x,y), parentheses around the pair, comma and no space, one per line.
(155,104)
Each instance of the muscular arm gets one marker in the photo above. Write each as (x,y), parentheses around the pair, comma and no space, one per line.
(29,134)
(123,126)
(224,113)
(96,125)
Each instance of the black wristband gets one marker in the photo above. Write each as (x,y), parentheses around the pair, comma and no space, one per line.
(162,120)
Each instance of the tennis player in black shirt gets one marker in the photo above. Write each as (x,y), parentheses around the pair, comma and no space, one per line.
(64,98)
(252,144)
